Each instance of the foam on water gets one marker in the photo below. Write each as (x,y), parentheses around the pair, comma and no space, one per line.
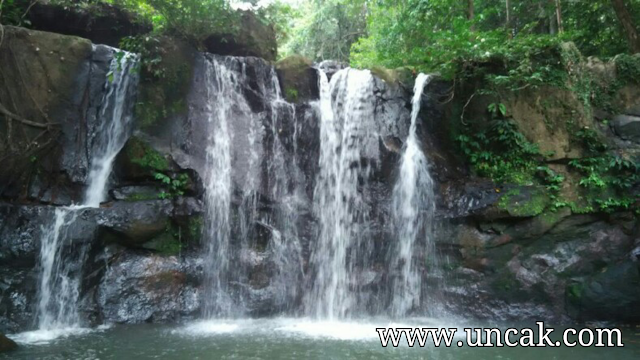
(305,328)
(41,337)
(210,327)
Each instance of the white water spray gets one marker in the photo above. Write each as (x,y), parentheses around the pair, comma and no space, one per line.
(60,261)
(223,93)
(413,209)
(246,157)
(347,130)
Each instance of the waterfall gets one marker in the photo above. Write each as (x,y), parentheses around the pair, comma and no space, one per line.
(223,92)
(246,165)
(413,209)
(347,131)
(114,126)
(60,261)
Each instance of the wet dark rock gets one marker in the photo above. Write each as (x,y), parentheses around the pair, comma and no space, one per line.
(298,79)
(611,295)
(17,298)
(134,223)
(69,85)
(20,232)
(100,22)
(135,193)
(140,160)
(523,268)
(627,127)
(253,39)
(139,288)
(6,344)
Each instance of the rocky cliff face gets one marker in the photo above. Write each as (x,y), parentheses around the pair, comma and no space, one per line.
(506,254)
(534,249)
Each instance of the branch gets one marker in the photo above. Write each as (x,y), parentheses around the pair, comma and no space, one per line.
(465,108)
(20,119)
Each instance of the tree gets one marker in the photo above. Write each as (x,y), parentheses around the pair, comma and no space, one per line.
(630,31)
(559,16)
(328,29)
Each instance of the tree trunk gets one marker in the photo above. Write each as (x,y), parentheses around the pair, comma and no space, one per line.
(559,16)
(508,8)
(627,23)
(470,10)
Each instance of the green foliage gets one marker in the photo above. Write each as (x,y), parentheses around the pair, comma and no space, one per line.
(195,19)
(628,67)
(142,154)
(437,35)
(175,185)
(195,226)
(291,94)
(165,77)
(192,20)
(281,16)
(168,243)
(12,12)
(500,151)
(326,29)
(607,177)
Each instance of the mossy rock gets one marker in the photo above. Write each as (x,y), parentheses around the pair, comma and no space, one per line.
(139,160)
(165,82)
(165,244)
(550,116)
(526,201)
(253,38)
(395,77)
(298,79)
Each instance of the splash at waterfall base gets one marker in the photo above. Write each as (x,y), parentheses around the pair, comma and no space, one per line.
(149,258)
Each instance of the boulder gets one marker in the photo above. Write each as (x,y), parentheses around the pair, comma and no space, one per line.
(525,268)
(611,295)
(139,288)
(633,111)
(627,127)
(298,79)
(99,22)
(53,88)
(6,344)
(138,161)
(41,72)
(252,39)
(134,223)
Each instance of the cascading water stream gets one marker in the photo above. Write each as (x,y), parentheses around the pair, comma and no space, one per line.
(246,157)
(347,129)
(60,262)
(223,94)
(413,210)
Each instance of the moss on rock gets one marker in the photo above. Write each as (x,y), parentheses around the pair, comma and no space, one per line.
(167,70)
(524,201)
(299,80)
(139,160)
